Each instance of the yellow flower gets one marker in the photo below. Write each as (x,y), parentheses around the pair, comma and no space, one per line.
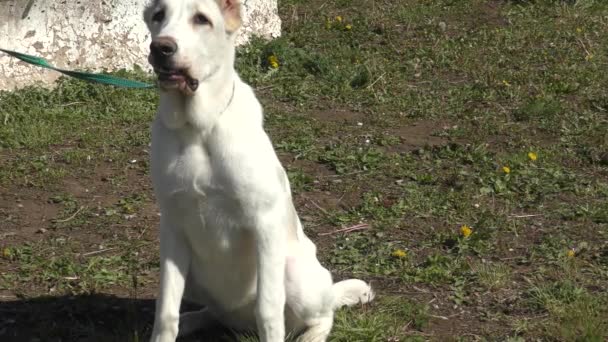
(466,231)
(506,169)
(571,252)
(6,252)
(399,253)
(579,30)
(273,61)
(338,18)
(588,57)
(348,27)
(506,83)
(533,156)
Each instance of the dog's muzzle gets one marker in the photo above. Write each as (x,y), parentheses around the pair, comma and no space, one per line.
(170,76)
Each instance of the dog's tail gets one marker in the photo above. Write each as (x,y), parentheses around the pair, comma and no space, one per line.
(350,292)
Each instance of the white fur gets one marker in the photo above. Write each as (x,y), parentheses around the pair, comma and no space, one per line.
(230,238)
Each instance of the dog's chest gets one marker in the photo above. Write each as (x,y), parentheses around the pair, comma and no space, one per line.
(191,170)
(189,178)
(181,164)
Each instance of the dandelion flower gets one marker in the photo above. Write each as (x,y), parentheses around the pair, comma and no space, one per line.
(399,253)
(533,156)
(273,61)
(506,83)
(338,18)
(506,169)
(571,252)
(579,30)
(6,252)
(588,57)
(466,231)
(348,27)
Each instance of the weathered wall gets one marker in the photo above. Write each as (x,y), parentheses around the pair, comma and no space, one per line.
(92,34)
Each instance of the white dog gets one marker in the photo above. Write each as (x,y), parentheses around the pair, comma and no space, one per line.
(230,238)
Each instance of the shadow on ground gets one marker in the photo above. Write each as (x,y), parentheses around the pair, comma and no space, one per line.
(96,317)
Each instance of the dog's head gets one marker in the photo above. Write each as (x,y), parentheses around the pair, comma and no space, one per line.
(191,39)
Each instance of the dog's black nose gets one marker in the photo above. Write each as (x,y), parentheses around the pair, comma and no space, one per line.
(163,47)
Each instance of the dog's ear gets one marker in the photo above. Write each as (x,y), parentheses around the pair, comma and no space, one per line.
(231,10)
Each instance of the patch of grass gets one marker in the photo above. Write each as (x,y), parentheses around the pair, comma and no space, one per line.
(59,271)
(345,159)
(394,319)
(493,276)
(363,254)
(584,320)
(555,297)
(438,269)
(575,315)
(299,180)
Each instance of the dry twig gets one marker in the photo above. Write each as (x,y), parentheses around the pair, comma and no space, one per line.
(360,226)
(71,217)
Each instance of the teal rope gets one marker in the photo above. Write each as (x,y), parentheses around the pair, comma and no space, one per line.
(90,77)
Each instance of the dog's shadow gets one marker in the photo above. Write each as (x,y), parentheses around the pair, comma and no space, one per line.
(89,318)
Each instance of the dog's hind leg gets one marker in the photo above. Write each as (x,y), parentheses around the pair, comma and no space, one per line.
(318,331)
(310,297)
(344,293)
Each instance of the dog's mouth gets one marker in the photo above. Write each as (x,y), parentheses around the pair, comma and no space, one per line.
(169,78)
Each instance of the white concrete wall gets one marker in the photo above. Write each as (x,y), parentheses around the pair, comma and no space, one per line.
(93,34)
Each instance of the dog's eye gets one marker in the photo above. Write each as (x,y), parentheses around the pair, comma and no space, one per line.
(158,16)
(200,19)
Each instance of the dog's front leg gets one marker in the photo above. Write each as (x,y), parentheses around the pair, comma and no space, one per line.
(271,241)
(174,263)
